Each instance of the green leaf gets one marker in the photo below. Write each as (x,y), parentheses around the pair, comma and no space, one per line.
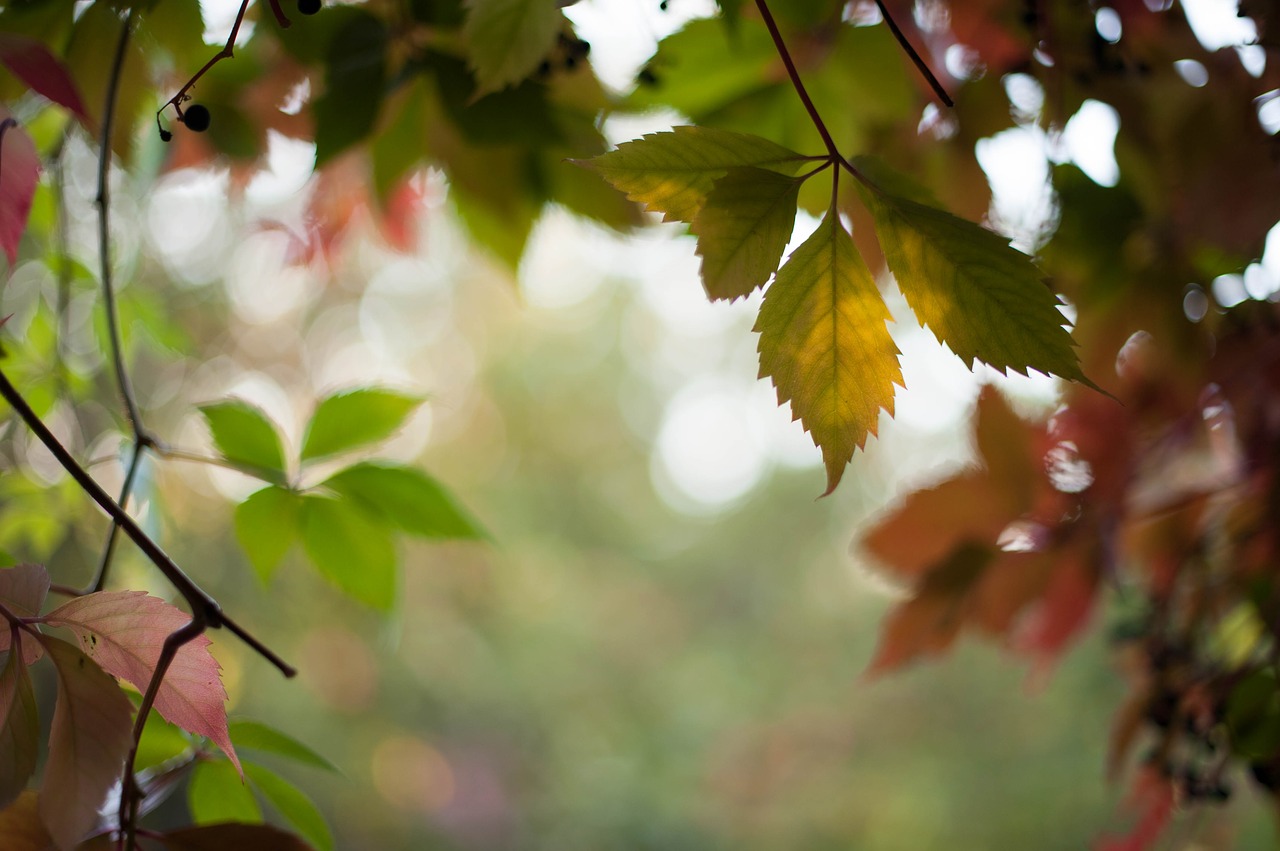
(984,299)
(507,39)
(408,498)
(353,549)
(217,794)
(354,418)
(673,172)
(355,79)
(245,436)
(267,525)
(743,228)
(161,741)
(252,735)
(292,804)
(824,343)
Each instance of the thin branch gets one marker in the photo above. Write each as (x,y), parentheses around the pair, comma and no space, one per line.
(794,74)
(915,57)
(201,604)
(141,437)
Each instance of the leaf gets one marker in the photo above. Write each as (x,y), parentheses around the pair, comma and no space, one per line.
(267,525)
(32,63)
(673,172)
(21,826)
(354,550)
(88,742)
(506,39)
(354,418)
(824,343)
(355,78)
(19,728)
(252,735)
(244,435)
(980,296)
(23,589)
(1006,446)
(293,805)
(217,793)
(407,498)
(19,169)
(743,227)
(124,631)
(242,837)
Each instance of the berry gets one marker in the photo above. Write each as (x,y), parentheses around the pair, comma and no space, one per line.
(308,7)
(196,118)
(166,136)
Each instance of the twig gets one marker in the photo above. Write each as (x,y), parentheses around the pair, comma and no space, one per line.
(915,57)
(201,604)
(141,437)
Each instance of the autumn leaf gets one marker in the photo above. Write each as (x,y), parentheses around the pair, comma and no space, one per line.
(88,742)
(33,63)
(743,228)
(19,728)
(981,297)
(242,837)
(21,826)
(1006,445)
(124,631)
(824,343)
(19,169)
(23,589)
(506,39)
(673,172)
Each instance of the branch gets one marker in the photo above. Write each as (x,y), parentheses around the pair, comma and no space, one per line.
(915,57)
(201,604)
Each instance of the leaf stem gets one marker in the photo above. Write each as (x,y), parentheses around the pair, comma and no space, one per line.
(200,602)
(915,57)
(832,151)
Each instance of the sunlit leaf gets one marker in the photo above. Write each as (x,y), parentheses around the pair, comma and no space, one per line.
(217,793)
(353,549)
(252,735)
(673,172)
(124,631)
(824,343)
(354,418)
(297,809)
(984,299)
(244,435)
(88,741)
(19,728)
(19,170)
(406,497)
(506,39)
(267,525)
(743,227)
(241,837)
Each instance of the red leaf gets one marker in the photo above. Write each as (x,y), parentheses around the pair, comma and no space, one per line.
(19,168)
(19,728)
(32,63)
(1063,610)
(23,589)
(87,744)
(242,837)
(124,631)
(1152,796)
(1007,446)
(21,827)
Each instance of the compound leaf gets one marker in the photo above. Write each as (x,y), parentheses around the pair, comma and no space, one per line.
(267,525)
(743,228)
(354,418)
(408,498)
(244,435)
(353,549)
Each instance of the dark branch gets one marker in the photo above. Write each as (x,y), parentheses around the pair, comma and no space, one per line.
(915,57)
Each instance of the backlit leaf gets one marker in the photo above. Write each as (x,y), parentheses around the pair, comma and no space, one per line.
(267,525)
(355,418)
(242,837)
(32,62)
(406,497)
(252,735)
(506,39)
(217,793)
(19,728)
(984,299)
(124,631)
(88,742)
(673,172)
(293,804)
(19,169)
(743,227)
(353,549)
(824,343)
(244,435)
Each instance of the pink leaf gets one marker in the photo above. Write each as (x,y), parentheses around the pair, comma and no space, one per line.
(19,167)
(123,631)
(32,63)
(19,728)
(22,591)
(87,744)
